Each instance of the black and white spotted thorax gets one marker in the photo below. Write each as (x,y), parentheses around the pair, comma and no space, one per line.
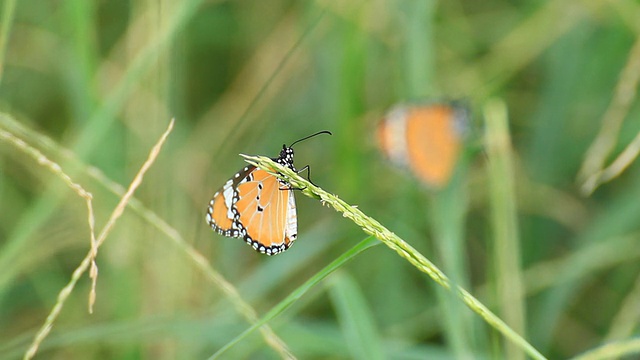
(285,159)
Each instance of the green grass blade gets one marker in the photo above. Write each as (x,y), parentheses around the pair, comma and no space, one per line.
(355,318)
(504,220)
(8,13)
(612,350)
(301,290)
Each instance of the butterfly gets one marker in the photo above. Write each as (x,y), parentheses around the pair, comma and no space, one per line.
(258,207)
(426,139)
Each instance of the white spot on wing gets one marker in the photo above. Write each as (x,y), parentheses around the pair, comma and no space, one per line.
(227,194)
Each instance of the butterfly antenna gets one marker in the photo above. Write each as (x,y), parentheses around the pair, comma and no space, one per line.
(310,136)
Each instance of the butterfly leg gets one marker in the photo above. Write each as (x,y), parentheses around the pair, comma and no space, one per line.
(308,178)
(308,174)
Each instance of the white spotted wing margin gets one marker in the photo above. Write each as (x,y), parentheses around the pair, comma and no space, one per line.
(225,222)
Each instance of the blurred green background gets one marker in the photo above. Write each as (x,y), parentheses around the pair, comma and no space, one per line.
(93,84)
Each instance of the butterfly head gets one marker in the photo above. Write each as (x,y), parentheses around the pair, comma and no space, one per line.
(286,154)
(286,157)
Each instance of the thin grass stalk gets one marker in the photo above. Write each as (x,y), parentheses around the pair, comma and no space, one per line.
(8,14)
(52,166)
(161,225)
(590,174)
(627,317)
(504,220)
(296,294)
(617,167)
(77,188)
(612,350)
(447,206)
(89,260)
(373,227)
(42,160)
(95,128)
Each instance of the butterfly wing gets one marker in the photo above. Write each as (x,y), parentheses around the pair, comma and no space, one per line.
(392,132)
(433,143)
(291,229)
(256,206)
(425,139)
(222,214)
(267,212)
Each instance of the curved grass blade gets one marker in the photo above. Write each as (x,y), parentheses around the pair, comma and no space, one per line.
(301,290)
(373,227)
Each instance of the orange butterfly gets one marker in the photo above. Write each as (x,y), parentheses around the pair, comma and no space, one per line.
(426,139)
(258,207)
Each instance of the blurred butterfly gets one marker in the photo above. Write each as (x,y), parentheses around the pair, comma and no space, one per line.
(426,139)
(258,207)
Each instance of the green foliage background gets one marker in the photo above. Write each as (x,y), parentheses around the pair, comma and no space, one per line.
(93,84)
